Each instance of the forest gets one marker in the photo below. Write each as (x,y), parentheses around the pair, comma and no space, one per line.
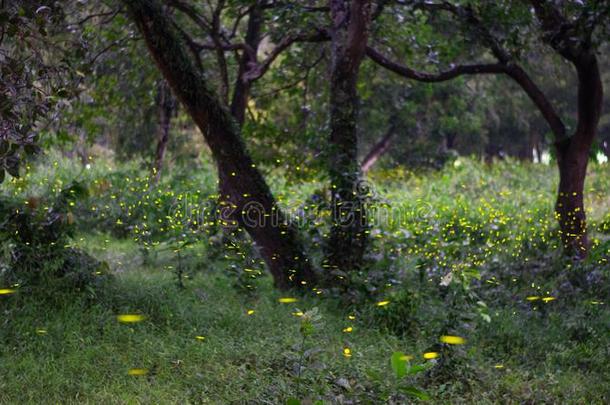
(304,202)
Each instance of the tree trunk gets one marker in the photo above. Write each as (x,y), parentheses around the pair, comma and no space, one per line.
(241,92)
(165,109)
(569,208)
(450,141)
(347,241)
(605,145)
(248,200)
(573,156)
(378,150)
(537,146)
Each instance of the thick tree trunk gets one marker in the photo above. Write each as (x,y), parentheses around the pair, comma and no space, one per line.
(348,237)
(378,150)
(165,110)
(248,200)
(569,208)
(573,156)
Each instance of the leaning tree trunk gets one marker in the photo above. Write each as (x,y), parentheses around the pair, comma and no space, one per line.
(378,150)
(348,236)
(165,109)
(573,156)
(248,200)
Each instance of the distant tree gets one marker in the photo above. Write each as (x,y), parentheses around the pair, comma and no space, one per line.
(378,148)
(166,108)
(570,29)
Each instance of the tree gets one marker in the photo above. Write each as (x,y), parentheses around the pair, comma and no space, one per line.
(37,74)
(379,148)
(166,106)
(348,33)
(570,31)
(244,188)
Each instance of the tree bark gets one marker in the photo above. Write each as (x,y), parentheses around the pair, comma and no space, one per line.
(348,237)
(573,156)
(165,110)
(247,198)
(378,150)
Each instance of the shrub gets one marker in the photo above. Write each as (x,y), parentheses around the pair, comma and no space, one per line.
(35,244)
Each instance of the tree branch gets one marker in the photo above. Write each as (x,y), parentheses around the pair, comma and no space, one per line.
(459,70)
(513,70)
(192,13)
(220,55)
(506,61)
(258,70)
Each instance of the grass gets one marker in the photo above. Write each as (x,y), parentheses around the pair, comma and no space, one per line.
(74,350)
(85,354)
(497,220)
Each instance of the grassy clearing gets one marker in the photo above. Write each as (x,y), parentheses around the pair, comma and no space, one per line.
(493,223)
(73,350)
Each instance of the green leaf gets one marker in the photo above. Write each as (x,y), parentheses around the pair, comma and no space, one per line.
(418,368)
(415,392)
(293,401)
(399,364)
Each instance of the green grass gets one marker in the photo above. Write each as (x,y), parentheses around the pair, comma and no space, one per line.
(493,221)
(85,354)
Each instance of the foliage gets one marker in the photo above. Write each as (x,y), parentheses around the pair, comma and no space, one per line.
(464,296)
(559,355)
(37,252)
(34,82)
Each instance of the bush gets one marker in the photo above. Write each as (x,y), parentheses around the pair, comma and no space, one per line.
(35,244)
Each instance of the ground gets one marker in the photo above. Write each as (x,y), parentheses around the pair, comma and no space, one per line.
(535,324)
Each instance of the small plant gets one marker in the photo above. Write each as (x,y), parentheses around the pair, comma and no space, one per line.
(310,322)
(402,367)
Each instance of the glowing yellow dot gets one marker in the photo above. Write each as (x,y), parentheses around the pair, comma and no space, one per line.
(137,371)
(7,291)
(430,355)
(349,329)
(250,312)
(347,352)
(453,340)
(382,303)
(287,300)
(130,318)
(200,338)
